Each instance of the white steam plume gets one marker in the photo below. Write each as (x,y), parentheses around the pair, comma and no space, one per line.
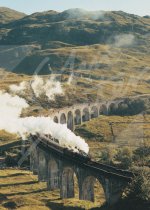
(70,79)
(84,14)
(45,125)
(11,106)
(18,88)
(10,110)
(124,40)
(49,87)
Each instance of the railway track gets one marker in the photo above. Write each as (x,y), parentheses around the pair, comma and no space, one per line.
(84,161)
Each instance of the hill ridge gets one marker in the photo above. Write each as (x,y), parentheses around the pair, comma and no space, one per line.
(8,15)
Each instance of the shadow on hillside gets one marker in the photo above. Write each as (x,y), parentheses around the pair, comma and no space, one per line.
(60,206)
(26,193)
(104,207)
(17,184)
(3,197)
(13,175)
(87,134)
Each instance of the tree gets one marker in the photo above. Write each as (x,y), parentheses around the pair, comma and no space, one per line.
(137,195)
(140,186)
(124,156)
(141,155)
(107,155)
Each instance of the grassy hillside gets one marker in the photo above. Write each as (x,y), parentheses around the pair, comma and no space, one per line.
(7,137)
(107,52)
(109,40)
(7,15)
(130,131)
(29,194)
(74,27)
(100,128)
(80,90)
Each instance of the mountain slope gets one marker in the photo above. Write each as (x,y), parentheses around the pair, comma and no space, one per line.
(96,56)
(7,15)
(113,41)
(74,27)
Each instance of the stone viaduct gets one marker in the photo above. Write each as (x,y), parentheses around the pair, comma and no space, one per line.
(59,169)
(79,113)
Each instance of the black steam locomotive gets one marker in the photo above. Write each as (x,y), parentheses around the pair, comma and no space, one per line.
(48,141)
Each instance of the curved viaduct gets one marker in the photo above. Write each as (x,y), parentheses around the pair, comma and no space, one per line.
(59,169)
(79,113)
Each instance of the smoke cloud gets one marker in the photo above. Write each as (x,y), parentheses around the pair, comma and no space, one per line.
(10,110)
(49,87)
(10,121)
(124,40)
(83,14)
(18,88)
(70,79)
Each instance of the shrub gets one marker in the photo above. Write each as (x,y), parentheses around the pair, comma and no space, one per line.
(141,155)
(140,187)
(124,156)
(107,155)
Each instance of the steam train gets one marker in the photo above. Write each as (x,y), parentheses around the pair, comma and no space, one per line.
(49,141)
(81,157)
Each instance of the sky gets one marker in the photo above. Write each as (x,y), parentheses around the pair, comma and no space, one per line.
(139,7)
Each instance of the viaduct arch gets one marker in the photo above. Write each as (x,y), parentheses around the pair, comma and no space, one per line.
(63,119)
(53,174)
(77,117)
(79,113)
(59,172)
(70,120)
